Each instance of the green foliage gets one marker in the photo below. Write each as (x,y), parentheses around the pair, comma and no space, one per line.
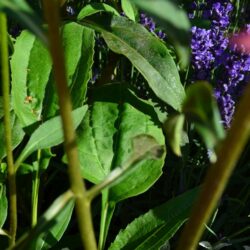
(153,229)
(105,139)
(49,134)
(149,55)
(125,122)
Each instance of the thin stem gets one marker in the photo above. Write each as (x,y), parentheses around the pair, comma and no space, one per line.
(7,126)
(83,209)
(218,175)
(35,190)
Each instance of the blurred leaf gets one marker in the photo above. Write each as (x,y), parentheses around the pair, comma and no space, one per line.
(21,11)
(206,245)
(174,132)
(94,8)
(106,135)
(3,205)
(51,225)
(17,134)
(49,134)
(174,21)
(129,9)
(147,53)
(201,108)
(153,229)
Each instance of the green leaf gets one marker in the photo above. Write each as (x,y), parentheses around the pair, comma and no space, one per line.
(129,9)
(156,227)
(51,225)
(49,134)
(106,135)
(33,92)
(21,11)
(174,131)
(78,44)
(201,108)
(147,53)
(30,66)
(3,205)
(17,134)
(94,8)
(174,21)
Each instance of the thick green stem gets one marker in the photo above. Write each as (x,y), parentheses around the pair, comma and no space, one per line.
(7,126)
(83,209)
(218,175)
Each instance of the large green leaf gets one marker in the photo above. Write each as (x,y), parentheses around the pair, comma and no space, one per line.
(21,11)
(147,53)
(115,117)
(153,229)
(17,134)
(174,21)
(33,93)
(3,205)
(49,134)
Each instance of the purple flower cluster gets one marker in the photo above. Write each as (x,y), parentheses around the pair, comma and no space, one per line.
(214,60)
(149,23)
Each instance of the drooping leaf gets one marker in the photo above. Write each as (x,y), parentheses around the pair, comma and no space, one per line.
(105,140)
(3,205)
(17,134)
(147,53)
(94,8)
(201,108)
(50,133)
(33,92)
(129,9)
(21,11)
(156,227)
(174,21)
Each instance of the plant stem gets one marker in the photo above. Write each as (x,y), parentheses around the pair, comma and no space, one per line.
(218,175)
(7,127)
(83,209)
(35,190)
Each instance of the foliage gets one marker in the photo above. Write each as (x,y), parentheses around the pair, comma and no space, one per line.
(153,88)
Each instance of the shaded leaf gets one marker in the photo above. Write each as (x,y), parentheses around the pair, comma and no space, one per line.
(147,53)
(3,205)
(153,229)
(21,11)
(51,225)
(201,108)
